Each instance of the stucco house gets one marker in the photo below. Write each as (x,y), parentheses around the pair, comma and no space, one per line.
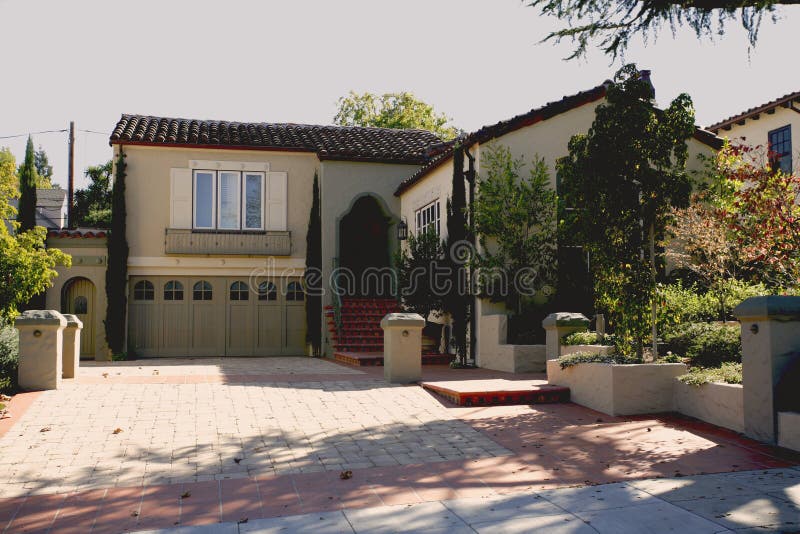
(218,215)
(541,132)
(769,126)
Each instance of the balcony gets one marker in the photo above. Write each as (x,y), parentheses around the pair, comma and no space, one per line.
(228,243)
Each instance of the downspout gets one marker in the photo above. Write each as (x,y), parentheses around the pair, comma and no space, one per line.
(470,175)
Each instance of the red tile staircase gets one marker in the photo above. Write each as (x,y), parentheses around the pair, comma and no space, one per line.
(360,339)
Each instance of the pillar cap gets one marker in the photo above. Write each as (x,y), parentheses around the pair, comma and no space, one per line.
(404,320)
(40,318)
(565,319)
(777,307)
(72,320)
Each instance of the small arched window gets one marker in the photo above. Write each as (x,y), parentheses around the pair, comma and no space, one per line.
(173,290)
(144,290)
(80,305)
(294,292)
(267,291)
(202,291)
(239,291)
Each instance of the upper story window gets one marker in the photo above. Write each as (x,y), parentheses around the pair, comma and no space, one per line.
(228,200)
(780,147)
(429,218)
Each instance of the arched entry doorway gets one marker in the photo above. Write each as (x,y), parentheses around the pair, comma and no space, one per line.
(364,247)
(78,298)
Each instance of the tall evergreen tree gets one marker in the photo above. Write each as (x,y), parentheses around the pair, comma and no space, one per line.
(27,188)
(117,269)
(457,301)
(313,274)
(44,170)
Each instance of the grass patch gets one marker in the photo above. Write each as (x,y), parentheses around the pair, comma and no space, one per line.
(728,373)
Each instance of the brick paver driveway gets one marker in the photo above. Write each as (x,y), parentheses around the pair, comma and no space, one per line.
(158,443)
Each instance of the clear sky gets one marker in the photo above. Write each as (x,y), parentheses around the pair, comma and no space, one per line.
(478,61)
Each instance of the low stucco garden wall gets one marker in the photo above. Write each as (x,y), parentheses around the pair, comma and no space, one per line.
(605,350)
(789,430)
(494,353)
(619,389)
(715,403)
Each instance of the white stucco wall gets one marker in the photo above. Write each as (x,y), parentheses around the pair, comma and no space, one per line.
(341,184)
(716,403)
(754,131)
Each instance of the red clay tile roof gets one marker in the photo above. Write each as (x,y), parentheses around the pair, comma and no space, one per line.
(85,233)
(501,128)
(785,101)
(533,116)
(328,142)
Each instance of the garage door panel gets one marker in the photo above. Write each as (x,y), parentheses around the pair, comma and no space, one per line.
(240,330)
(295,330)
(269,330)
(205,330)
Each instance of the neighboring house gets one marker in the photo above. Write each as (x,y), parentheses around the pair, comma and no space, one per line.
(218,215)
(774,126)
(51,208)
(542,132)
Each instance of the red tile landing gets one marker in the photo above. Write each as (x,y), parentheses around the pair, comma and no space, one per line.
(497,392)
(368,359)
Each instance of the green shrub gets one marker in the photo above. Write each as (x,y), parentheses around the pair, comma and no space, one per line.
(590,357)
(670,358)
(9,357)
(587,338)
(706,344)
(729,373)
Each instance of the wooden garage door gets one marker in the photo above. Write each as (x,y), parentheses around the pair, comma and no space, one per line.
(216,316)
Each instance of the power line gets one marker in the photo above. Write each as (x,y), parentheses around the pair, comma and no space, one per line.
(93,132)
(34,133)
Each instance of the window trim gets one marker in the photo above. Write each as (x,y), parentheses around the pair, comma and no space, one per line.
(435,222)
(788,154)
(243,188)
(213,174)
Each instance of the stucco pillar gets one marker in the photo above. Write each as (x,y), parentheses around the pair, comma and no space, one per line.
(770,344)
(402,347)
(41,338)
(558,325)
(72,346)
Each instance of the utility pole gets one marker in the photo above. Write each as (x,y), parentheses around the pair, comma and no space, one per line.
(71,174)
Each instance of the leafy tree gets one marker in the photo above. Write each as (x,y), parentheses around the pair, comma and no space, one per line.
(27,188)
(761,211)
(93,204)
(703,245)
(612,24)
(8,184)
(417,268)
(392,110)
(117,269)
(457,301)
(313,280)
(26,267)
(516,221)
(44,170)
(623,179)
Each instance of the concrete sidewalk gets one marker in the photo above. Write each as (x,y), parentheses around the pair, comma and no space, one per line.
(748,501)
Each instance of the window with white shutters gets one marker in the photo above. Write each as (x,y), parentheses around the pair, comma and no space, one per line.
(231,200)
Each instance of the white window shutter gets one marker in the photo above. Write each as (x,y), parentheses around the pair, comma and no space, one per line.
(276,201)
(180,215)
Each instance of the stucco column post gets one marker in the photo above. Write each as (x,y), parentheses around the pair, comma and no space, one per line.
(770,343)
(402,347)
(558,325)
(41,338)
(72,346)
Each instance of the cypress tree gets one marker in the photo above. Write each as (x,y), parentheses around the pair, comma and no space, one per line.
(27,188)
(459,252)
(117,269)
(313,274)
